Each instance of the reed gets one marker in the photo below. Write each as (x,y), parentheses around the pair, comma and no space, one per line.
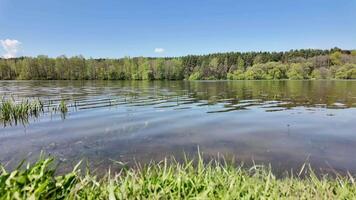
(14,112)
(62,107)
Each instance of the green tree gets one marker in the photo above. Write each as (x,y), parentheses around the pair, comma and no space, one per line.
(347,71)
(336,58)
(254,73)
(195,76)
(240,63)
(298,71)
(321,73)
(236,75)
(276,70)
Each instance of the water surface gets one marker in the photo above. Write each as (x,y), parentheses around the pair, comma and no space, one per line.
(282,123)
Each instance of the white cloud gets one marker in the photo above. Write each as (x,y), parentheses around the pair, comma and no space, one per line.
(11,48)
(159,50)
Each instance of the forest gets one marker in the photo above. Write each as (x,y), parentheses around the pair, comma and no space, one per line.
(334,63)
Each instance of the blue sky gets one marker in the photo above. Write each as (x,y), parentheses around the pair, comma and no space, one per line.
(118,28)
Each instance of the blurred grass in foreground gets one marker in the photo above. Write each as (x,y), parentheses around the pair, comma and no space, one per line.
(168,179)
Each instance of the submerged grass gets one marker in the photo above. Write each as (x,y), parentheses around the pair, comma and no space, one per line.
(12,112)
(171,180)
(62,107)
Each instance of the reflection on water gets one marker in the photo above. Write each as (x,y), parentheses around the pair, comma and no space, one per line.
(277,122)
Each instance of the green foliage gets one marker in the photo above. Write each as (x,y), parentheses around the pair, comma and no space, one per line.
(37,182)
(255,65)
(347,71)
(336,58)
(195,76)
(276,71)
(240,64)
(321,73)
(6,71)
(12,112)
(62,107)
(254,73)
(236,75)
(171,180)
(298,71)
(266,71)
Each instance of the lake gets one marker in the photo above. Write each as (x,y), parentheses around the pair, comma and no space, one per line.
(282,123)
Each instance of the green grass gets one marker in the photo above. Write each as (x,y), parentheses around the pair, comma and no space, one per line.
(171,180)
(62,107)
(12,112)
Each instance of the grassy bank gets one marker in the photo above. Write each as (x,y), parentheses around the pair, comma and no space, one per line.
(171,181)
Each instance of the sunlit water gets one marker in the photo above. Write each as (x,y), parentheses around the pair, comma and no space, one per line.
(282,123)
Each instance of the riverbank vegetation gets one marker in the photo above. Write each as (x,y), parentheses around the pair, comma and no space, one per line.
(295,64)
(171,180)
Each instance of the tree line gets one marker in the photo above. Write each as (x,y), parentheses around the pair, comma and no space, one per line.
(294,64)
